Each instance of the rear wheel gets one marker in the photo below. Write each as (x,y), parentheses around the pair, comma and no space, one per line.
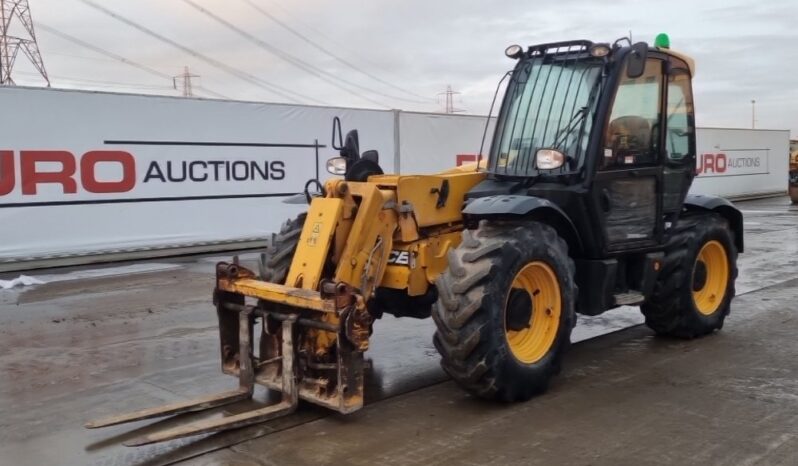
(506,309)
(696,285)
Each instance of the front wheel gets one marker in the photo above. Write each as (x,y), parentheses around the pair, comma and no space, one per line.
(694,290)
(506,309)
(275,262)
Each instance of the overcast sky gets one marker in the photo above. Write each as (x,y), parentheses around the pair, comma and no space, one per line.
(410,50)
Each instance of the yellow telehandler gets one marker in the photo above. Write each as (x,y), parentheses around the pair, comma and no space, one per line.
(581,206)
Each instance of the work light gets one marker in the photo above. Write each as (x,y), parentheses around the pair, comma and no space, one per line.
(514,51)
(600,50)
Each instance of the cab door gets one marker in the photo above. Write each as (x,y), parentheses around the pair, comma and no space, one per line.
(629,174)
(680,146)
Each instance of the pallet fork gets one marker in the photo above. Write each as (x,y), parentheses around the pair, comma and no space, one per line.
(284,312)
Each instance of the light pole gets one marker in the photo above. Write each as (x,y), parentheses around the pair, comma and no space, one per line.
(753,114)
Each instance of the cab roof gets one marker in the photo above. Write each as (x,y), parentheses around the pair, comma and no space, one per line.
(687,59)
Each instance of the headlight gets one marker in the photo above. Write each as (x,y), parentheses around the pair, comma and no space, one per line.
(337,166)
(549,159)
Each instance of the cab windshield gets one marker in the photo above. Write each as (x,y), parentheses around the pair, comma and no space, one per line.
(547,105)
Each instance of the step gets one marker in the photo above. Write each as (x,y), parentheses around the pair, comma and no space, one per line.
(630,298)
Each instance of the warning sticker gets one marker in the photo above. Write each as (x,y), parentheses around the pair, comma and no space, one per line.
(314,235)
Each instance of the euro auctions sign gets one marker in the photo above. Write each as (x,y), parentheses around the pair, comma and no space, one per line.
(131,171)
(732,163)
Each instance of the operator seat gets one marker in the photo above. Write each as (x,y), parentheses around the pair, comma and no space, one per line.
(629,136)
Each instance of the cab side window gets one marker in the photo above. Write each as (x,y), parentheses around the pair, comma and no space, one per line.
(632,133)
(680,116)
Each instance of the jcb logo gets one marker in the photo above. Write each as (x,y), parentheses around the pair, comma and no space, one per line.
(399,258)
(37,167)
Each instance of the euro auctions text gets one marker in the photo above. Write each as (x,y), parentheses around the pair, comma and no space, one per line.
(30,177)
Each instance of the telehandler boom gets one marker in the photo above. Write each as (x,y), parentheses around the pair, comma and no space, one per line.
(581,206)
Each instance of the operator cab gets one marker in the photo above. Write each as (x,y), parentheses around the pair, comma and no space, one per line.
(604,132)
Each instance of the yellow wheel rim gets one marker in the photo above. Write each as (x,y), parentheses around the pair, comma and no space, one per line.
(709,293)
(530,344)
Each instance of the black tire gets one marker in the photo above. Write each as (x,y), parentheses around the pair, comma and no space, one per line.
(671,310)
(274,263)
(470,311)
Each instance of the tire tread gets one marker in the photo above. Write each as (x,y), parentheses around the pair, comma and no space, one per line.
(469,353)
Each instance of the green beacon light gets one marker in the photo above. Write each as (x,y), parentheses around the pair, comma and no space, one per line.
(662,41)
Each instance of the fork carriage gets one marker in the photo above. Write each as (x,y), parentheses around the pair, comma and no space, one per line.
(296,371)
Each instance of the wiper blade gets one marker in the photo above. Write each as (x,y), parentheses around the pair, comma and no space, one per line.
(579,117)
(576,122)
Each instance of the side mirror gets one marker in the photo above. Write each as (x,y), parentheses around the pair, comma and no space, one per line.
(337,142)
(636,60)
(351,149)
(371,155)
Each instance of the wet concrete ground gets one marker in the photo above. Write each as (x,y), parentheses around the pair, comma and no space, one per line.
(91,345)
(626,398)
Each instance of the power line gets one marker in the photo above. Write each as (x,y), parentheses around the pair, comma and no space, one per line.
(243,75)
(209,92)
(112,84)
(83,57)
(227,68)
(307,67)
(345,62)
(102,82)
(322,34)
(114,56)
(101,51)
(129,87)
